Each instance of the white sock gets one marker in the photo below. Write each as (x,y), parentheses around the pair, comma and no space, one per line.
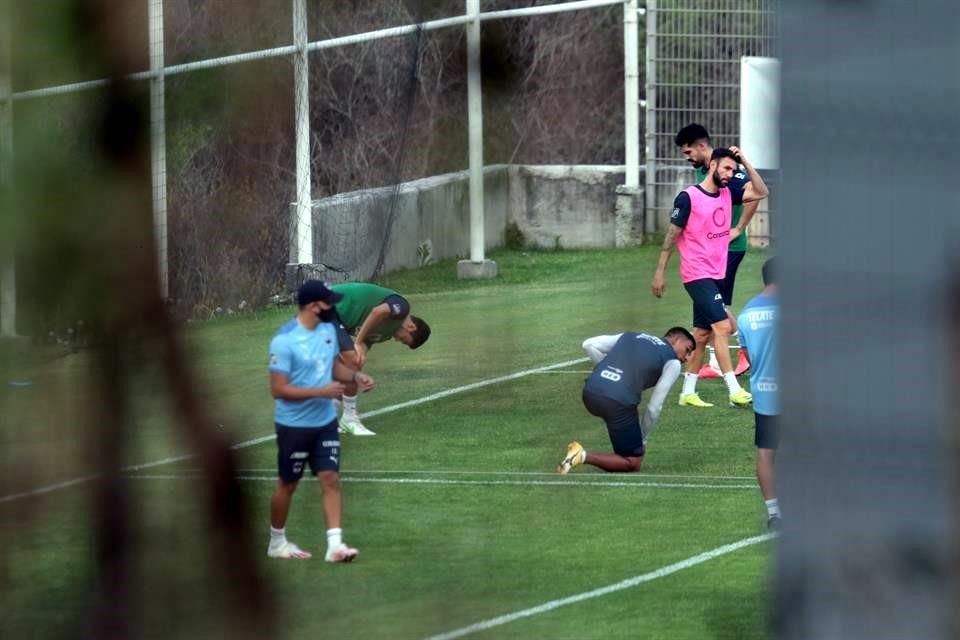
(713,360)
(334,538)
(773,508)
(689,383)
(731,379)
(350,406)
(278,536)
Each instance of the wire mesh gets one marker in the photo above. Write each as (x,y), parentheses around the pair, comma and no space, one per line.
(696,53)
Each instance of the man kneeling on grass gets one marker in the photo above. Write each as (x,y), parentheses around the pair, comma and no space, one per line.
(626,365)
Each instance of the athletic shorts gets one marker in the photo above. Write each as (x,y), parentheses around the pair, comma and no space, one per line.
(623,423)
(766,431)
(707,302)
(734,258)
(318,447)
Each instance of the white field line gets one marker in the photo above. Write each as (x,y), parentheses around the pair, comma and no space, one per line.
(47,489)
(451,472)
(580,371)
(446,481)
(255,441)
(602,591)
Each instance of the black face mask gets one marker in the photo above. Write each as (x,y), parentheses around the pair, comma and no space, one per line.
(327,315)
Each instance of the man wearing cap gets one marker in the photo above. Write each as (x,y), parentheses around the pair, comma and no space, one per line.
(372,314)
(306,375)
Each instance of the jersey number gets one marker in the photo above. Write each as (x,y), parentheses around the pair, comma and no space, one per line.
(610,375)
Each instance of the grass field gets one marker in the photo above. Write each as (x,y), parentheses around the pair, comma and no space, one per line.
(464,529)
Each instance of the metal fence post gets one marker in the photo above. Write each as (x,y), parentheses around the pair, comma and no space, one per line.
(650,121)
(303,217)
(8,287)
(477,266)
(631,93)
(158,142)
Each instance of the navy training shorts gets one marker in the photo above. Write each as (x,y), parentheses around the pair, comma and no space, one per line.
(623,423)
(318,447)
(766,431)
(708,306)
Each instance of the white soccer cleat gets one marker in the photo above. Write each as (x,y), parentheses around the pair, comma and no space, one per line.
(354,427)
(343,553)
(288,550)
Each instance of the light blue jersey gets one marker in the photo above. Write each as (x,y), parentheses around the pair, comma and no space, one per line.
(306,357)
(759,333)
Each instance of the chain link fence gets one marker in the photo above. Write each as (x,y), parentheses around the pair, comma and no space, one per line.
(693,75)
(382,112)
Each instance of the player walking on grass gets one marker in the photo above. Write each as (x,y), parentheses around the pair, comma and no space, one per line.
(759,333)
(694,142)
(305,377)
(700,228)
(372,314)
(624,369)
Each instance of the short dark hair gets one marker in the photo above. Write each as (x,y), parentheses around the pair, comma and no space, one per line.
(420,334)
(771,271)
(674,332)
(721,153)
(691,134)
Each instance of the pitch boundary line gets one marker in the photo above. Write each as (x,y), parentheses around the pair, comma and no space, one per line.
(602,591)
(448,481)
(578,474)
(255,441)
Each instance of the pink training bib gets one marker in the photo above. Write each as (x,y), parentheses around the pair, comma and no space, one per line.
(704,242)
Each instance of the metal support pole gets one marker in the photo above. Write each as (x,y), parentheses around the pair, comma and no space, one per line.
(477,266)
(475,126)
(631,107)
(650,134)
(303,217)
(158,143)
(8,286)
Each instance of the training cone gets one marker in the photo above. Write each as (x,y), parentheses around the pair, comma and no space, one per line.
(706,371)
(743,364)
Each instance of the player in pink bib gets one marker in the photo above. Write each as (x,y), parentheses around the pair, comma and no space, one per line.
(700,229)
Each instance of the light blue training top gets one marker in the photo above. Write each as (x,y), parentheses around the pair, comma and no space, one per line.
(758,324)
(306,357)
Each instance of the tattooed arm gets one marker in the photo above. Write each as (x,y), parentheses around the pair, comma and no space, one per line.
(678,220)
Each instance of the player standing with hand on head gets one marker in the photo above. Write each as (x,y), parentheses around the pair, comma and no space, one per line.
(694,143)
(305,377)
(700,228)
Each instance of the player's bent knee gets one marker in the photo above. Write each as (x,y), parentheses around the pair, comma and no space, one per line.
(733,322)
(701,336)
(633,463)
(287,486)
(723,327)
(330,480)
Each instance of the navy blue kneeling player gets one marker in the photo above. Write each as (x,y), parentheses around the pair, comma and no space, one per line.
(625,366)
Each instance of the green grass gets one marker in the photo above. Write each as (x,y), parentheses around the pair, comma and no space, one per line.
(450,548)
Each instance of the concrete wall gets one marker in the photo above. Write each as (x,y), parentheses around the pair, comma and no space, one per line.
(431,221)
(552,206)
(565,206)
